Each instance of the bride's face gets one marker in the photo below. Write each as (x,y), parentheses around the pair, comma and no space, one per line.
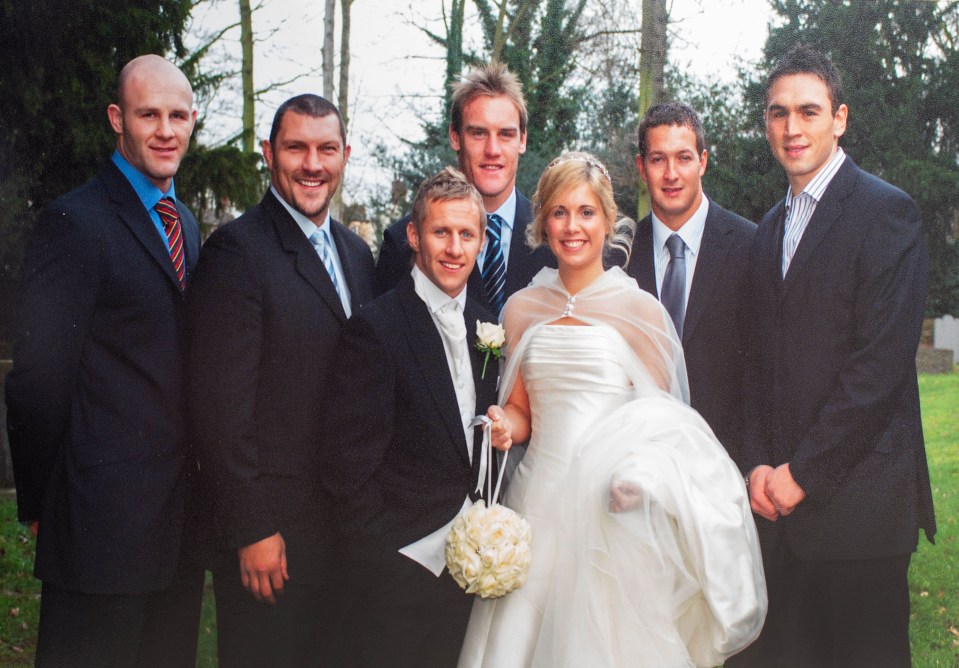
(576,229)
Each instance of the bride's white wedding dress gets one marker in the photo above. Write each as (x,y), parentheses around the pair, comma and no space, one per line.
(675,581)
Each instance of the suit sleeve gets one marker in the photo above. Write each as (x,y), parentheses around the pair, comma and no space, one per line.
(226,338)
(55,305)
(888,314)
(360,408)
(393,263)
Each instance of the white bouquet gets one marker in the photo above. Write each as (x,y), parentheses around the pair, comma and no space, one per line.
(488,550)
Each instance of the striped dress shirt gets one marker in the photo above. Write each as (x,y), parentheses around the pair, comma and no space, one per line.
(800,208)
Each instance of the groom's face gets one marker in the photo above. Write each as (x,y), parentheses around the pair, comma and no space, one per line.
(447,242)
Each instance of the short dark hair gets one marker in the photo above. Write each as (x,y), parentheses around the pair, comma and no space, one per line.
(307,104)
(671,113)
(492,80)
(803,59)
(446,185)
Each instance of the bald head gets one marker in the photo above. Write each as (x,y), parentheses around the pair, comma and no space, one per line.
(151,68)
(153,117)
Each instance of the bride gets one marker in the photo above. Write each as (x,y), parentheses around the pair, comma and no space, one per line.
(644,547)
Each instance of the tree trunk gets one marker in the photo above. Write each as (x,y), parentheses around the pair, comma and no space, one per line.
(454,52)
(329,23)
(652,62)
(248,136)
(344,94)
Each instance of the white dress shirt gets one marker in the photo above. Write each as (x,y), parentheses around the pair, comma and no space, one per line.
(692,235)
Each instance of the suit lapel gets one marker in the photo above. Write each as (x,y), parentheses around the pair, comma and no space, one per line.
(517,245)
(307,262)
(135,217)
(641,263)
(427,346)
(828,211)
(347,261)
(712,256)
(191,239)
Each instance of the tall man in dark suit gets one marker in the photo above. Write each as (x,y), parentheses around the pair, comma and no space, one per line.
(488,133)
(834,448)
(273,290)
(97,396)
(403,458)
(694,256)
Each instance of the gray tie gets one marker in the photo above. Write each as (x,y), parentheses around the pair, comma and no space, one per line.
(673,295)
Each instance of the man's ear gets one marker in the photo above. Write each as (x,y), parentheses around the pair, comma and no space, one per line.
(412,238)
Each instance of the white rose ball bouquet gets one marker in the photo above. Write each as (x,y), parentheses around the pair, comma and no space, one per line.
(488,550)
(488,547)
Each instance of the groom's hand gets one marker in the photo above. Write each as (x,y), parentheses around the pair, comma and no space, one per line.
(263,568)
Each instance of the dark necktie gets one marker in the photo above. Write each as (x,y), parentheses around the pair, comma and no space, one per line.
(673,295)
(494,264)
(170,218)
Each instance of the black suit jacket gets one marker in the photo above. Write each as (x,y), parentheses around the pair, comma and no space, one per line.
(398,461)
(265,319)
(834,389)
(715,332)
(97,396)
(396,259)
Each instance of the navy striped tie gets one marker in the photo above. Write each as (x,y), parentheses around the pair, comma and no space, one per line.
(494,264)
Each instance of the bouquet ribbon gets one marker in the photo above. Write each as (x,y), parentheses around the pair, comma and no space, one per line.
(486,460)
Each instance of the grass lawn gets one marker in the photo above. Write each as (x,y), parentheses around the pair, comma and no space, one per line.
(933,576)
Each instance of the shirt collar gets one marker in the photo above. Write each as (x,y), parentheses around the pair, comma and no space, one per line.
(817,186)
(691,232)
(145,189)
(507,210)
(434,298)
(304,223)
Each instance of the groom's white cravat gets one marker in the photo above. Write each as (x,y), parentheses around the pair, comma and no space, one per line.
(447,315)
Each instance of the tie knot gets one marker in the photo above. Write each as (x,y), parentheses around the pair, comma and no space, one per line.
(317,239)
(676,246)
(494,224)
(167,210)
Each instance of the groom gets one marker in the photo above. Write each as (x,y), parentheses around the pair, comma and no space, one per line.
(403,458)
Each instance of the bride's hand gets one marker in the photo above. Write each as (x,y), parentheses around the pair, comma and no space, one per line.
(624,496)
(501,434)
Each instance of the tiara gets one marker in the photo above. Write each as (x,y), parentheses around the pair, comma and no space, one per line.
(580,157)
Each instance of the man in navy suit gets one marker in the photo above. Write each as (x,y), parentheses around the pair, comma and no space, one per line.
(488,133)
(834,449)
(713,248)
(97,396)
(272,292)
(403,458)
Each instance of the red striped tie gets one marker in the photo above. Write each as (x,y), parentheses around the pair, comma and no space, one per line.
(174,234)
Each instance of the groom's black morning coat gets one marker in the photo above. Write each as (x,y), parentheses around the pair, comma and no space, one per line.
(399,468)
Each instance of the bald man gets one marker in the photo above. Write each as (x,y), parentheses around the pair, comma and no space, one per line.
(96,398)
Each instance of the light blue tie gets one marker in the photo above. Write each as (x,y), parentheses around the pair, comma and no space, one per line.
(322,246)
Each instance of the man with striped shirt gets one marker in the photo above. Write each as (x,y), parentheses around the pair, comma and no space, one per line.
(833,447)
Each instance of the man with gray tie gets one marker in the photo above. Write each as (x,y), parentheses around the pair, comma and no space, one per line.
(272,292)
(694,255)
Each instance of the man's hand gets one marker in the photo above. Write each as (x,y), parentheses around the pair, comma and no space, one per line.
(501,432)
(784,492)
(263,568)
(759,499)
(624,496)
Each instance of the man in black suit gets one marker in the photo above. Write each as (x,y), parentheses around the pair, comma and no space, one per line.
(273,290)
(488,133)
(97,396)
(707,282)
(834,449)
(403,459)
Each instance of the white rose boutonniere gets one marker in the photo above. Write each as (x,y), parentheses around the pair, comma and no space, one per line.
(488,550)
(490,338)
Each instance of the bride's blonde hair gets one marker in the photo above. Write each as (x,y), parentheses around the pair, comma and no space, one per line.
(568,171)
